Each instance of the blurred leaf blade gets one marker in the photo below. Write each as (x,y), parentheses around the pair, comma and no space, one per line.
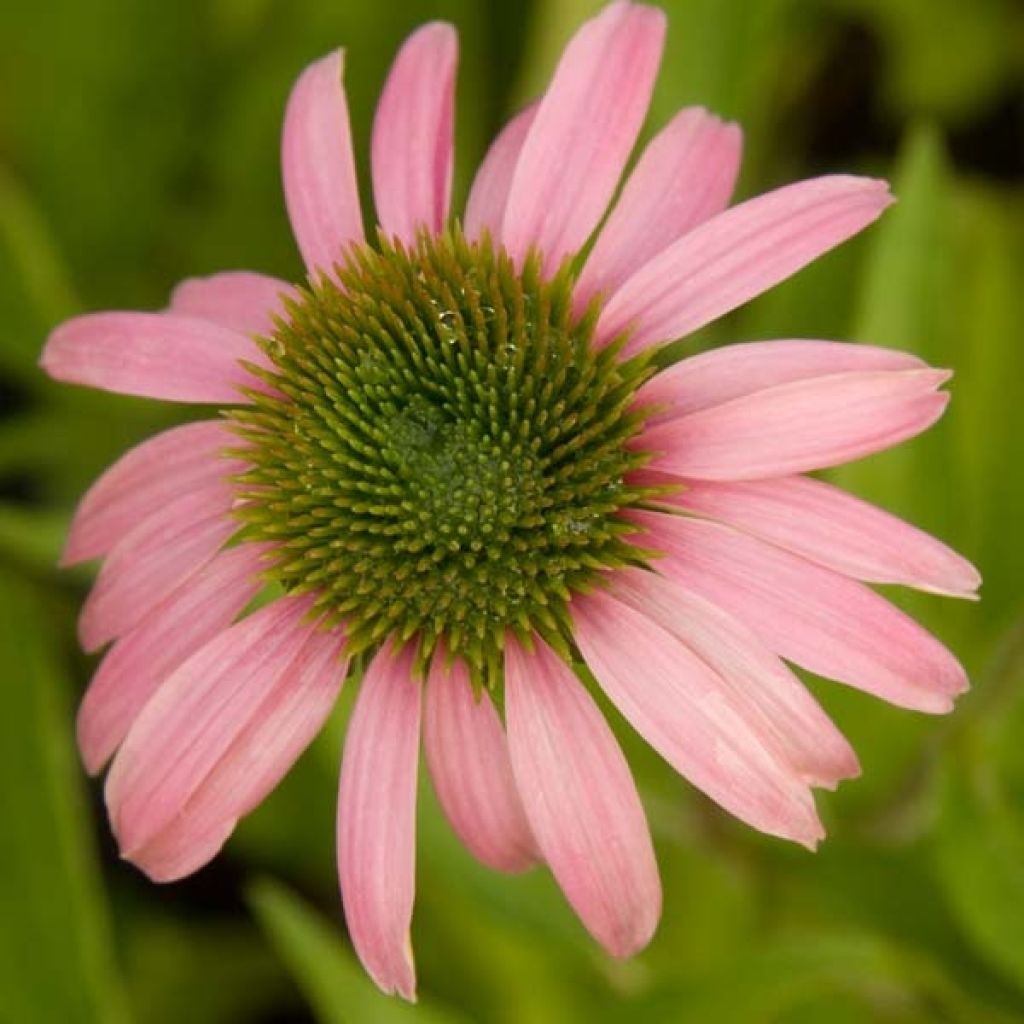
(979,842)
(56,961)
(863,969)
(336,986)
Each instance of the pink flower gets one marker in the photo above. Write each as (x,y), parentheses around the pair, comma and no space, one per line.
(449,452)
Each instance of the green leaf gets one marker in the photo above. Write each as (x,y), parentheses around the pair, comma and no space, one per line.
(551,27)
(55,955)
(856,970)
(35,288)
(909,262)
(902,306)
(979,842)
(987,406)
(31,537)
(334,983)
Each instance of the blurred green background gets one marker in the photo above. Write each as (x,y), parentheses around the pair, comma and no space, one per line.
(139,145)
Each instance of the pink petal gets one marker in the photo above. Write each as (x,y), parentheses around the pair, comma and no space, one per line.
(262,753)
(133,669)
(377,820)
(776,705)
(804,425)
(733,371)
(737,255)
(583,133)
(320,187)
(153,558)
(825,622)
(238,299)
(692,718)
(181,852)
(685,175)
(580,800)
(836,530)
(144,481)
(468,757)
(488,196)
(195,717)
(155,355)
(412,151)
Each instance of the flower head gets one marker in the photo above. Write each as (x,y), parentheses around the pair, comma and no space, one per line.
(448,455)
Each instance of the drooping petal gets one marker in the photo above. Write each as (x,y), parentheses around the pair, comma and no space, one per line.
(583,133)
(834,529)
(685,175)
(778,707)
(800,426)
(320,187)
(468,757)
(580,800)
(733,371)
(377,820)
(190,617)
(153,558)
(182,851)
(143,481)
(690,715)
(272,739)
(823,621)
(193,719)
(488,196)
(238,299)
(154,355)
(412,151)
(736,255)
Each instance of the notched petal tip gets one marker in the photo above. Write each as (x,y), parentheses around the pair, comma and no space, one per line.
(401,979)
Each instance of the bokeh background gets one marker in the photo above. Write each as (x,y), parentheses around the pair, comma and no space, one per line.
(139,144)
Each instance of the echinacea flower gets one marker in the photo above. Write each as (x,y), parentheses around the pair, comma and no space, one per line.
(447,456)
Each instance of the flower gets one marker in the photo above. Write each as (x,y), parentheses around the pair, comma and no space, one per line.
(447,457)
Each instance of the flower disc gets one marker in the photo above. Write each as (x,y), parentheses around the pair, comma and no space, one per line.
(442,451)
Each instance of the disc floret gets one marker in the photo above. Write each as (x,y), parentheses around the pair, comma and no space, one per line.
(441,452)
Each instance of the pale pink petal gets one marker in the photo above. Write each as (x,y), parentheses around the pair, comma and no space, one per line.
(191,616)
(692,718)
(155,355)
(685,175)
(732,371)
(825,622)
(153,558)
(377,820)
(580,800)
(467,753)
(488,196)
(778,707)
(238,299)
(804,425)
(412,150)
(274,737)
(583,133)
(320,187)
(143,481)
(195,717)
(737,255)
(835,529)
(182,851)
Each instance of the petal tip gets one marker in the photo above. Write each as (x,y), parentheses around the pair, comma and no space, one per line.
(630,941)
(91,749)
(397,978)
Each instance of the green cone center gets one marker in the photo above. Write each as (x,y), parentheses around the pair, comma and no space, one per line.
(443,456)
